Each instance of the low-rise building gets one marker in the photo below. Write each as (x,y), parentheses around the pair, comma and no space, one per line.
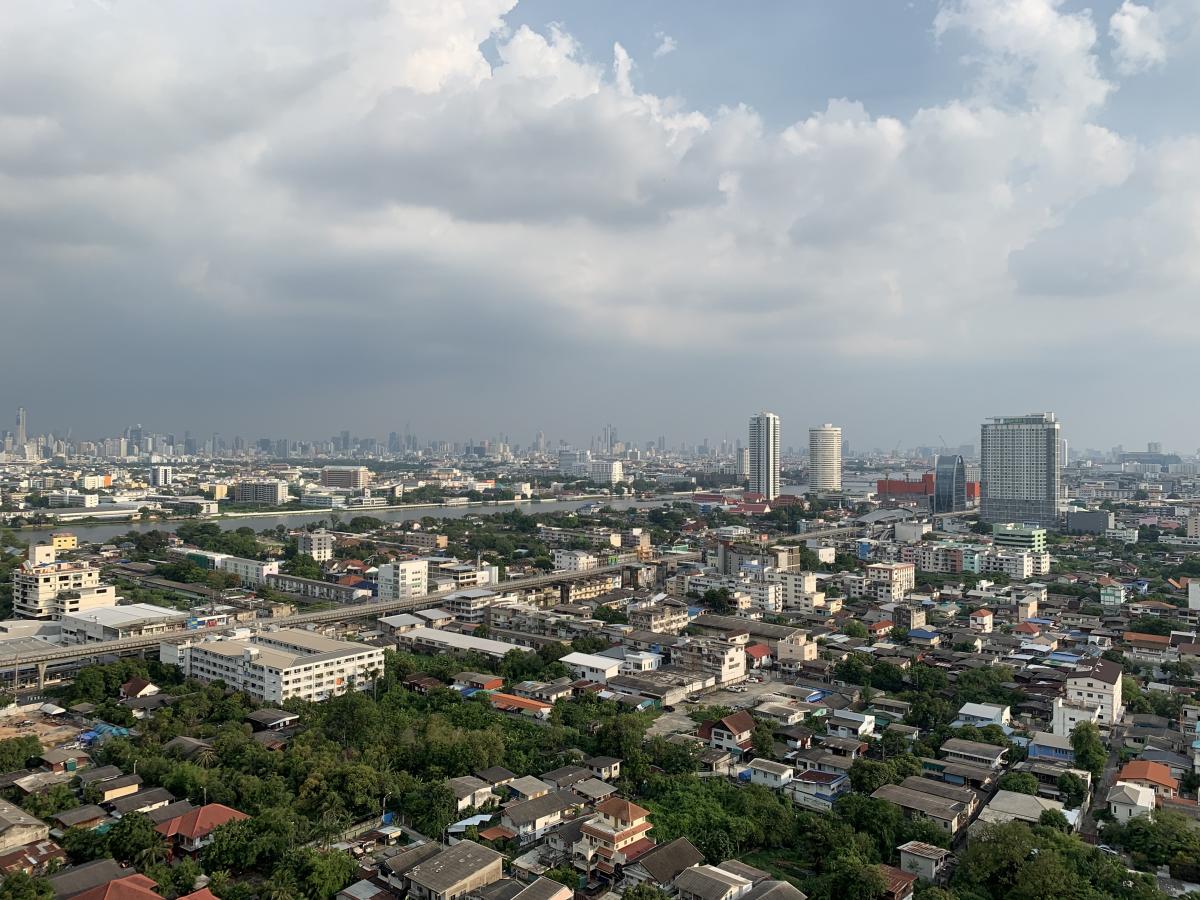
(455,872)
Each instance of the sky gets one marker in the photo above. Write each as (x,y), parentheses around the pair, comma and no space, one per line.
(480,217)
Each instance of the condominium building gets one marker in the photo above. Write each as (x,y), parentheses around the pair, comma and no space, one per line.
(1021,469)
(723,657)
(404,579)
(275,666)
(604,471)
(764,455)
(349,477)
(663,616)
(1023,538)
(268,491)
(70,498)
(317,544)
(161,476)
(825,459)
(883,582)
(574,561)
(44,588)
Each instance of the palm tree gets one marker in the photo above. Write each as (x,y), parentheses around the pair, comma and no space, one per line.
(152,855)
(281,886)
(206,757)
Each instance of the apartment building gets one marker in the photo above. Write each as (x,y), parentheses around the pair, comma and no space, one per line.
(267,491)
(1097,686)
(798,590)
(883,582)
(251,572)
(351,478)
(403,580)
(425,541)
(575,561)
(724,657)
(765,596)
(315,589)
(455,872)
(45,588)
(317,544)
(662,616)
(275,666)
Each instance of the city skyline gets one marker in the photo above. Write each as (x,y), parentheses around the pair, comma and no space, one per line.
(484,205)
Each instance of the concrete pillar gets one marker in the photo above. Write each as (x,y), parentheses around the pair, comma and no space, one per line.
(41,670)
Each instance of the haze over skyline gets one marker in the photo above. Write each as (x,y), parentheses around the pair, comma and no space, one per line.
(484,217)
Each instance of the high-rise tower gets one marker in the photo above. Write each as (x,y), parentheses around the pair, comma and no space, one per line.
(825,459)
(1021,469)
(764,455)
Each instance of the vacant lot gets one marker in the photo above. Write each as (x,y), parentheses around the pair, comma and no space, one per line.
(50,732)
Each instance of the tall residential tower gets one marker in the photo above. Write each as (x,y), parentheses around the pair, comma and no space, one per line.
(825,459)
(1021,470)
(764,455)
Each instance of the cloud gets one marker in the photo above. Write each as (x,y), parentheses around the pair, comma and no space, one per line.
(666,45)
(1140,37)
(372,182)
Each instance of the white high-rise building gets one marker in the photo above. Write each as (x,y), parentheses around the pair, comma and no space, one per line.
(764,455)
(404,580)
(161,476)
(1021,470)
(825,459)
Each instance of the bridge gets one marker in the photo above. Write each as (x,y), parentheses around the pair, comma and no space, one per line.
(58,656)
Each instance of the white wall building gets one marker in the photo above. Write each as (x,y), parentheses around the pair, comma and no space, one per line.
(574,561)
(404,580)
(317,544)
(268,491)
(825,458)
(279,665)
(1021,470)
(252,572)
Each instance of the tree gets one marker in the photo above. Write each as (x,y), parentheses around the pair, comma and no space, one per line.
(133,834)
(1072,789)
(1053,818)
(1090,754)
(868,776)
(565,874)
(16,752)
(855,629)
(19,886)
(763,739)
(852,878)
(303,566)
(643,890)
(1020,783)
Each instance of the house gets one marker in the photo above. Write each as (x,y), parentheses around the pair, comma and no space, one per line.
(471,792)
(496,776)
(527,787)
(529,819)
(769,773)
(566,776)
(1127,800)
(593,790)
(758,656)
(186,747)
(33,858)
(74,880)
(18,828)
(1153,775)
(114,788)
(952,793)
(880,629)
(661,865)
(845,723)
(606,768)
(948,815)
(65,760)
(476,681)
(1007,806)
(193,830)
(981,620)
(923,860)
(88,816)
(137,687)
(710,883)
(816,790)
(130,887)
(455,871)
(616,836)
(395,868)
(142,801)
(1097,686)
(974,752)
(733,733)
(592,666)
(1044,745)
(898,884)
(271,719)
(981,714)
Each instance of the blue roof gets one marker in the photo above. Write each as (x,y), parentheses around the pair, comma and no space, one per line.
(922,633)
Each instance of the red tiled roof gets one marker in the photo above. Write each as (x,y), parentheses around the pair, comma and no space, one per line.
(758,651)
(131,887)
(202,894)
(621,810)
(1146,770)
(200,822)
(497,832)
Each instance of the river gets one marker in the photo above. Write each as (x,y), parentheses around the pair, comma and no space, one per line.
(99,532)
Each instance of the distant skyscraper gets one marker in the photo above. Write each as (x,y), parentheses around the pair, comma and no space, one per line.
(22,433)
(1021,469)
(825,459)
(764,455)
(949,484)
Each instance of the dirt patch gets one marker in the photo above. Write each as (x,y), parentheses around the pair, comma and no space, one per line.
(51,732)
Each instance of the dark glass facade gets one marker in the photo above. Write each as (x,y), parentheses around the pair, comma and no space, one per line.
(949,484)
